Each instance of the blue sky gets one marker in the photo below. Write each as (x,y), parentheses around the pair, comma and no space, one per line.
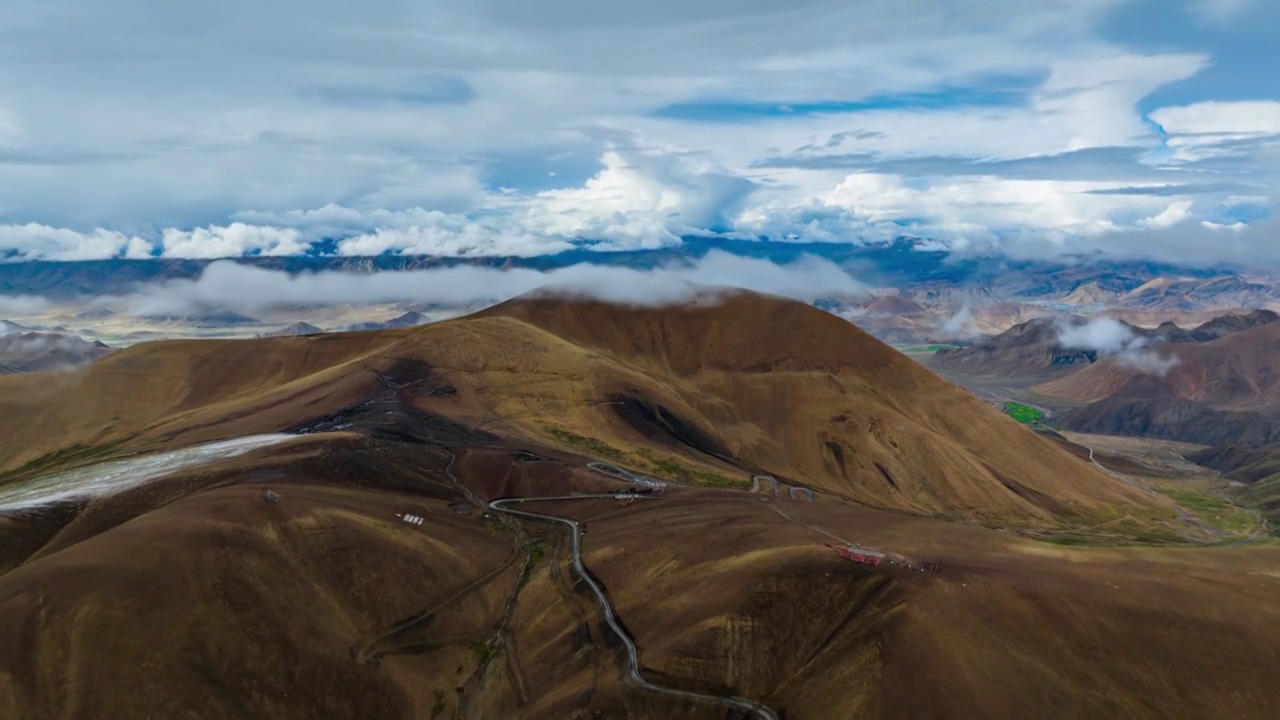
(493,127)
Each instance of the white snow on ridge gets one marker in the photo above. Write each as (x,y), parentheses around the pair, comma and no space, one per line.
(117,475)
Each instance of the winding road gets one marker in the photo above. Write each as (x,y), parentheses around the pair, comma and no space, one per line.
(1183,517)
(611,619)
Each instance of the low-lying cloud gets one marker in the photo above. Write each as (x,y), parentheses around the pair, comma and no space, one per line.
(1108,336)
(963,325)
(242,288)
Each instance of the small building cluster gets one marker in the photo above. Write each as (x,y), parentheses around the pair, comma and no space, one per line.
(411,519)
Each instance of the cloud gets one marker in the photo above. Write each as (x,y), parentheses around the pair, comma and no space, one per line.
(963,325)
(640,200)
(1176,212)
(439,126)
(41,242)
(1148,361)
(1110,337)
(233,240)
(229,285)
(1106,336)
(18,305)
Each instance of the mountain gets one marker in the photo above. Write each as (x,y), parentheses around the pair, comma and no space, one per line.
(34,352)
(1034,349)
(1147,407)
(1026,350)
(430,540)
(409,319)
(207,318)
(1256,467)
(1223,391)
(749,382)
(1223,291)
(296,329)
(7,327)
(1230,323)
(1238,371)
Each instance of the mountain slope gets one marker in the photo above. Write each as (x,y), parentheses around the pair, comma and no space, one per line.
(718,391)
(23,352)
(1240,371)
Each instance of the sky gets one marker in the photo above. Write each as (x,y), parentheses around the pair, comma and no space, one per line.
(142,128)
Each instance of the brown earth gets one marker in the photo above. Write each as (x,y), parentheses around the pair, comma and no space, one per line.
(196,595)
(752,382)
(1237,372)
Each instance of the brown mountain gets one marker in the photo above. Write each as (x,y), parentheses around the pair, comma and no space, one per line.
(1034,349)
(1224,291)
(1026,350)
(751,381)
(361,569)
(1238,371)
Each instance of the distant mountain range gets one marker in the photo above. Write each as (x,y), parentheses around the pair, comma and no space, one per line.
(901,263)
(1037,348)
(22,351)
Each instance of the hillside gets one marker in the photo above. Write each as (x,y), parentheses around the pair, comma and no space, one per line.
(23,352)
(1029,349)
(1238,371)
(1035,349)
(323,603)
(1184,293)
(1257,467)
(751,384)
(288,581)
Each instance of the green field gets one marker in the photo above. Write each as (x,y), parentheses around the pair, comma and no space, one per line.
(1024,414)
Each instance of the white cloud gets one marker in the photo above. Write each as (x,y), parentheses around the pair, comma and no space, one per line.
(231,241)
(963,325)
(41,242)
(974,209)
(1261,117)
(436,233)
(243,288)
(392,126)
(19,305)
(639,201)
(1093,100)
(1150,362)
(1176,212)
(1106,336)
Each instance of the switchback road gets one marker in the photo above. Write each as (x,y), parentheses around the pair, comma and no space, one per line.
(611,619)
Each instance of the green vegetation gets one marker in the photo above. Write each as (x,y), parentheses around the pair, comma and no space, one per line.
(1265,496)
(537,554)
(484,651)
(1215,511)
(676,470)
(437,709)
(597,448)
(1024,414)
(496,526)
(666,467)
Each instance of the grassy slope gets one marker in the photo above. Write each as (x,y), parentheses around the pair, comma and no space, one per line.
(265,602)
(779,386)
